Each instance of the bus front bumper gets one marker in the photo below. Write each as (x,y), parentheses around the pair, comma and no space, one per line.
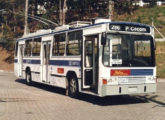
(108,90)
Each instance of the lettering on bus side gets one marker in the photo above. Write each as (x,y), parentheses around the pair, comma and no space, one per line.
(74,63)
(27,61)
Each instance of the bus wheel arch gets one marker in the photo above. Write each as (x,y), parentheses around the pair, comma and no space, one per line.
(28,76)
(72,88)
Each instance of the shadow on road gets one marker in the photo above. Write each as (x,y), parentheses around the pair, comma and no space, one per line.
(105,101)
(111,100)
(153,99)
(44,87)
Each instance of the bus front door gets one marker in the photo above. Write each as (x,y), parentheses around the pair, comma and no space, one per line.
(45,61)
(90,63)
(20,60)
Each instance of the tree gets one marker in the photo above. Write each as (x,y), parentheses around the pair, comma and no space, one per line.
(86,10)
(124,6)
(153,3)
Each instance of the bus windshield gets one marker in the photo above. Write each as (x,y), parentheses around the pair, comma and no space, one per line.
(123,50)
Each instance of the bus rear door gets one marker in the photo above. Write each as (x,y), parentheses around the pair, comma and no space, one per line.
(45,61)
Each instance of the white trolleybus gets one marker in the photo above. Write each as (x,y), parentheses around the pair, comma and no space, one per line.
(105,58)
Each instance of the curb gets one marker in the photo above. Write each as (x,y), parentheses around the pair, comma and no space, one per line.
(161,80)
(3,71)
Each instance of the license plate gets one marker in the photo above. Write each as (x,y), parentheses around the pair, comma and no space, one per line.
(133,89)
(123,80)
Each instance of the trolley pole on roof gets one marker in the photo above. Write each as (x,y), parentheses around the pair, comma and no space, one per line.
(26,17)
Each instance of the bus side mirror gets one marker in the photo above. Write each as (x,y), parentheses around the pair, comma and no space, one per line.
(103,38)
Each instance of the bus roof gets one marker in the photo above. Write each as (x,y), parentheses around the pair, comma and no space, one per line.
(41,33)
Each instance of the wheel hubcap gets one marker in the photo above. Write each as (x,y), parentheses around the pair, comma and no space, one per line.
(28,78)
(73,85)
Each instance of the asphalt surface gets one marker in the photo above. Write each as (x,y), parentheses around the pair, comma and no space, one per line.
(41,102)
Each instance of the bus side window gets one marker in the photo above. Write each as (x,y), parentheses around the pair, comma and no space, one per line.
(74,43)
(59,45)
(28,47)
(16,49)
(36,47)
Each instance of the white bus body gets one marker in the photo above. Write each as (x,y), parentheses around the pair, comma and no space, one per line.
(102,59)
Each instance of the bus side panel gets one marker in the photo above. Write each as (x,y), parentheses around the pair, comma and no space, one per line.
(34,66)
(59,69)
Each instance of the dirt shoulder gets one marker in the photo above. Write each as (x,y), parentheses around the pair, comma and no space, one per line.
(6,60)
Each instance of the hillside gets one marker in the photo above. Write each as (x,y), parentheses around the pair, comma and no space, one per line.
(160,59)
(146,16)
(6,60)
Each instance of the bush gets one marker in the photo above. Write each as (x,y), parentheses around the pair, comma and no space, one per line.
(153,3)
(124,6)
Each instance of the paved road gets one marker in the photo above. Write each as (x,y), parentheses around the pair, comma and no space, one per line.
(40,102)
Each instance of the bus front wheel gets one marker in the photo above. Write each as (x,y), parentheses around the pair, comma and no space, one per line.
(73,87)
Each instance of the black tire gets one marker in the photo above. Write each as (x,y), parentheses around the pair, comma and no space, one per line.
(73,87)
(28,78)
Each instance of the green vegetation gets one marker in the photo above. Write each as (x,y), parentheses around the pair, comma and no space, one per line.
(160,59)
(147,16)
(12,24)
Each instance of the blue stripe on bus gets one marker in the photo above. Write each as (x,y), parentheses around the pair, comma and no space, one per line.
(141,71)
(65,63)
(15,60)
(56,62)
(31,61)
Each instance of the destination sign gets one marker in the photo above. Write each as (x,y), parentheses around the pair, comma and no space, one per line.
(129,28)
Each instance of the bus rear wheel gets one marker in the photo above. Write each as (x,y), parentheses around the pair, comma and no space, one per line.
(28,78)
(73,87)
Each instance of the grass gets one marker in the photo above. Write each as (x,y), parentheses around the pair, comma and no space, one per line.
(160,59)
